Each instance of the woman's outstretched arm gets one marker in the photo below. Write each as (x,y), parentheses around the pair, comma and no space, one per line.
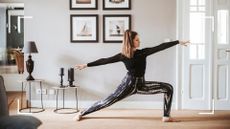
(101,61)
(163,46)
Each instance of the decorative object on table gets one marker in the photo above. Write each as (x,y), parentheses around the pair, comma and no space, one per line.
(116,4)
(83,4)
(114,27)
(84,28)
(30,48)
(71,76)
(61,74)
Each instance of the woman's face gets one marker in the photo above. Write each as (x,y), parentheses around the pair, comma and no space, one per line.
(136,41)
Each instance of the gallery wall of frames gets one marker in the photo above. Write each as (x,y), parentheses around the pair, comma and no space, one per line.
(84,28)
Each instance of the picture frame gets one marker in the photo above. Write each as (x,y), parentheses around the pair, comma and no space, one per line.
(84,28)
(83,4)
(116,4)
(114,27)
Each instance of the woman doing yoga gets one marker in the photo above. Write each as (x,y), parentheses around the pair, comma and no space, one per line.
(134,81)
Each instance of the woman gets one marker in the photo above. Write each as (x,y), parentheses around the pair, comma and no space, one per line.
(134,81)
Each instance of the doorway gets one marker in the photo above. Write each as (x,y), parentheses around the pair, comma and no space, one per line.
(12,36)
(206,63)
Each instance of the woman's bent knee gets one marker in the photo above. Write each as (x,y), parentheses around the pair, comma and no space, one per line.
(169,88)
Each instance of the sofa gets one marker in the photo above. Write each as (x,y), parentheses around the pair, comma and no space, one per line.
(14,121)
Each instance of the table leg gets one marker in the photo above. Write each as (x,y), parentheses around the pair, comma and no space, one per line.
(30,96)
(63,100)
(57,98)
(76,98)
(41,95)
(22,95)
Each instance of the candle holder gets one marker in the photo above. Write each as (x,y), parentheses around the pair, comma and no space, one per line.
(61,74)
(71,84)
(71,77)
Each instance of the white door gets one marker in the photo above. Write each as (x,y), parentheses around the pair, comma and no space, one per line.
(222,58)
(196,81)
(206,71)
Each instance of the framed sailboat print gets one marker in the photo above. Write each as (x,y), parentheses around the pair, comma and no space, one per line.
(84,28)
(116,4)
(114,27)
(83,4)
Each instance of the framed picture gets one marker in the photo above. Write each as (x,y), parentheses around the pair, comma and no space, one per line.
(116,4)
(84,28)
(114,27)
(83,4)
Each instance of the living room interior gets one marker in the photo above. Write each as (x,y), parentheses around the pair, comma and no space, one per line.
(58,35)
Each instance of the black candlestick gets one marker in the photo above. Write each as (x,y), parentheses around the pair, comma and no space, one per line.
(61,74)
(61,71)
(71,76)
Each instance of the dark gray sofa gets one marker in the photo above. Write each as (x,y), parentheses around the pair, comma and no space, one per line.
(14,121)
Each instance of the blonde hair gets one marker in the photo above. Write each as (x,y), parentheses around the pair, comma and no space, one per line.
(127,45)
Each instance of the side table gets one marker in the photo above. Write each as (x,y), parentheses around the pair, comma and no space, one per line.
(63,109)
(28,101)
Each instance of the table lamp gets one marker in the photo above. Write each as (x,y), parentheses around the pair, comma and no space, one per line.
(30,48)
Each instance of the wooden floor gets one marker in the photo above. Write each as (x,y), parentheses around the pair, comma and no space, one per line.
(129,119)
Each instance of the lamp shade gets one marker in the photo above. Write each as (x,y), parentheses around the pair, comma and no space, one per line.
(30,47)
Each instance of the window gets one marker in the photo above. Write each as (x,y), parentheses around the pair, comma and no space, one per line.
(197,29)
(222,26)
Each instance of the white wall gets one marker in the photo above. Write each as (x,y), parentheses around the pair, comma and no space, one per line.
(155,20)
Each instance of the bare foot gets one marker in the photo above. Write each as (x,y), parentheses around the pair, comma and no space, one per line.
(169,119)
(78,117)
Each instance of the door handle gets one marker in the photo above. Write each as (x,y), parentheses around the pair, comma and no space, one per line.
(227,50)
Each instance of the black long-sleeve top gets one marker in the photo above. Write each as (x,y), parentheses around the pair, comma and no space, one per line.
(137,64)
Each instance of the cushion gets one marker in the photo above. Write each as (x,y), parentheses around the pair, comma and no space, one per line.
(19,122)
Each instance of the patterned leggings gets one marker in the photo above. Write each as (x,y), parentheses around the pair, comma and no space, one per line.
(135,85)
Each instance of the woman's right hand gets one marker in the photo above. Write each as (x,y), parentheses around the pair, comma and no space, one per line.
(184,42)
(81,66)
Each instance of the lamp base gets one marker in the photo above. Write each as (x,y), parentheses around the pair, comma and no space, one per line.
(30,78)
(30,68)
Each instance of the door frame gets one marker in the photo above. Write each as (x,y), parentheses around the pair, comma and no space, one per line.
(181,34)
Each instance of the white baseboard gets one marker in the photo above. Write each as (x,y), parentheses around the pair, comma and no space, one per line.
(118,105)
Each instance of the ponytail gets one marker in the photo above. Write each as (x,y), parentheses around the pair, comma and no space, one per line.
(127,45)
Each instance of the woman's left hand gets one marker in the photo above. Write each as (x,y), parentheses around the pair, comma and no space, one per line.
(184,43)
